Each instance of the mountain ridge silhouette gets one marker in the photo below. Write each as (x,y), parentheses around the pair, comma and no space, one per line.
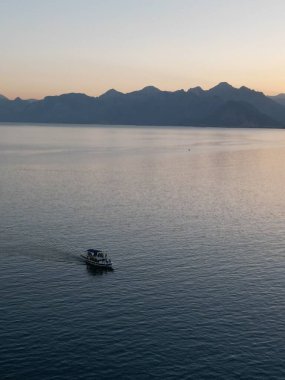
(222,105)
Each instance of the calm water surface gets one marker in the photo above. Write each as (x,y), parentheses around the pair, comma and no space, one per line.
(194,221)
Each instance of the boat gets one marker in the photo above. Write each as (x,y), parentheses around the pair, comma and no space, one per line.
(97,259)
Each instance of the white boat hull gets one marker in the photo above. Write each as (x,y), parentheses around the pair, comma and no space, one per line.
(101,264)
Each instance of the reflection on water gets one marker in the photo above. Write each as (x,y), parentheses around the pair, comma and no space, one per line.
(198,238)
(97,271)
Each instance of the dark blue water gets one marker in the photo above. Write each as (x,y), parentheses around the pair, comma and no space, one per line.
(196,237)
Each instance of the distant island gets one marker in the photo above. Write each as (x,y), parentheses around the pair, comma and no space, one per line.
(222,105)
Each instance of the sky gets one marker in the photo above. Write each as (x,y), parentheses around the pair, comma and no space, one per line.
(50,47)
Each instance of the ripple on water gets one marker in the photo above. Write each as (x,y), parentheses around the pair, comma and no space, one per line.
(196,240)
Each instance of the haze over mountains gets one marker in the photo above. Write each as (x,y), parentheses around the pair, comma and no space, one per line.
(222,105)
(279,98)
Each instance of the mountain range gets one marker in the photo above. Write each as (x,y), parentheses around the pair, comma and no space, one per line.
(222,105)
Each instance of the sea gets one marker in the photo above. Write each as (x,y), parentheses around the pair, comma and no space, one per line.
(194,222)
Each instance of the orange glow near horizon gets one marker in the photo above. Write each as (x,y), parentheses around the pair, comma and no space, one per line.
(36,90)
(90,46)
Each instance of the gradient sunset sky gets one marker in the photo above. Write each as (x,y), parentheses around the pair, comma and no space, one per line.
(50,47)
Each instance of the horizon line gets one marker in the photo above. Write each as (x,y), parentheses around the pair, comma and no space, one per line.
(141,89)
